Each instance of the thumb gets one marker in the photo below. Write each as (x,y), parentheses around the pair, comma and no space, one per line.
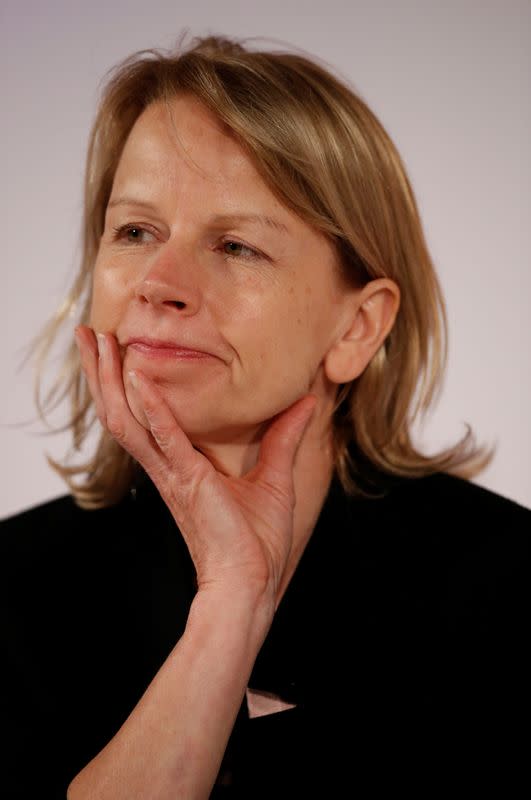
(283,438)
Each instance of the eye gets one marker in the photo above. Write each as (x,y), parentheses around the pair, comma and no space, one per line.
(131,234)
(238,250)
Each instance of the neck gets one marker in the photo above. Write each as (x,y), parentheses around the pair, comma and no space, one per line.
(312,477)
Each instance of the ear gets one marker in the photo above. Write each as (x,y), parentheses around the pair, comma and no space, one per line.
(371,315)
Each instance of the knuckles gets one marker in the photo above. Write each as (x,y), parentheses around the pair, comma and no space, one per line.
(192,478)
(115,426)
(162,437)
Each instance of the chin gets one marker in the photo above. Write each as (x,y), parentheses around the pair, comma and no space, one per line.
(222,428)
(191,419)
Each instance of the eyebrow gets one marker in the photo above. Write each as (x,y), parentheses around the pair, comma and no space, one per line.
(255,219)
(218,219)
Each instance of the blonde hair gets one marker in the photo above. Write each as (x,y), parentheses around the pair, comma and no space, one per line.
(326,156)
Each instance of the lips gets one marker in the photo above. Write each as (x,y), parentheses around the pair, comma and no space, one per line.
(161,348)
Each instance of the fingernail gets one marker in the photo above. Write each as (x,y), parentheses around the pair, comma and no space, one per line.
(101,344)
(133,379)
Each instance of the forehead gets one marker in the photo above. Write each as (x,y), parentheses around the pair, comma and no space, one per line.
(182,138)
(182,155)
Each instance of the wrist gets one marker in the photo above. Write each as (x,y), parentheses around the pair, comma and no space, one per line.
(247,610)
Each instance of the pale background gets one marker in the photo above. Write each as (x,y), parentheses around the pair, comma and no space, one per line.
(450,82)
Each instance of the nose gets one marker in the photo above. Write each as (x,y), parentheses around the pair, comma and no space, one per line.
(170,281)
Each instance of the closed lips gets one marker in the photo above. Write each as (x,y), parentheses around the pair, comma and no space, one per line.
(146,344)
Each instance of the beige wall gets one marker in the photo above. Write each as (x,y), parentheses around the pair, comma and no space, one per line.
(450,81)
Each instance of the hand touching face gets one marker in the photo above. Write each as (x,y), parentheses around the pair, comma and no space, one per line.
(216,291)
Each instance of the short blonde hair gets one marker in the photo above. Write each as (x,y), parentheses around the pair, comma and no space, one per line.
(327,157)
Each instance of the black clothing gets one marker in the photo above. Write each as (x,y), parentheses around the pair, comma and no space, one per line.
(402,640)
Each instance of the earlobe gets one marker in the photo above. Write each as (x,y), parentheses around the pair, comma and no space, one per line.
(372,317)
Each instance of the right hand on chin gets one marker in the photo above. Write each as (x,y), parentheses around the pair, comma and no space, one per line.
(238,529)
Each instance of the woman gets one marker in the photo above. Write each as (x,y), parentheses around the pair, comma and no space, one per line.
(258,584)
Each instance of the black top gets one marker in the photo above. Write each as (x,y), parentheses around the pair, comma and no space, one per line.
(401,640)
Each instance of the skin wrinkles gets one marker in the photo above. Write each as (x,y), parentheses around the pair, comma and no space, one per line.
(221,219)
(256,315)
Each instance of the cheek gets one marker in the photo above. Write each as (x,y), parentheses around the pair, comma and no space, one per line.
(282,338)
(108,301)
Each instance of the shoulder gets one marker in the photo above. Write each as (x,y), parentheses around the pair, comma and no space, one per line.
(59,535)
(59,510)
(451,491)
(439,537)
(436,570)
(61,520)
(482,536)
(459,513)
(38,528)
(38,531)
(58,541)
(450,505)
(466,522)
(54,551)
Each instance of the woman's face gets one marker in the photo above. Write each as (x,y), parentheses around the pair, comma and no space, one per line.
(198,253)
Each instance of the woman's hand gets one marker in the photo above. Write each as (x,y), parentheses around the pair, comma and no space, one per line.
(238,530)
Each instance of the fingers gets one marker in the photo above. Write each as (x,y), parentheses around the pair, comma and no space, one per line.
(169,436)
(103,370)
(282,440)
(165,447)
(88,351)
